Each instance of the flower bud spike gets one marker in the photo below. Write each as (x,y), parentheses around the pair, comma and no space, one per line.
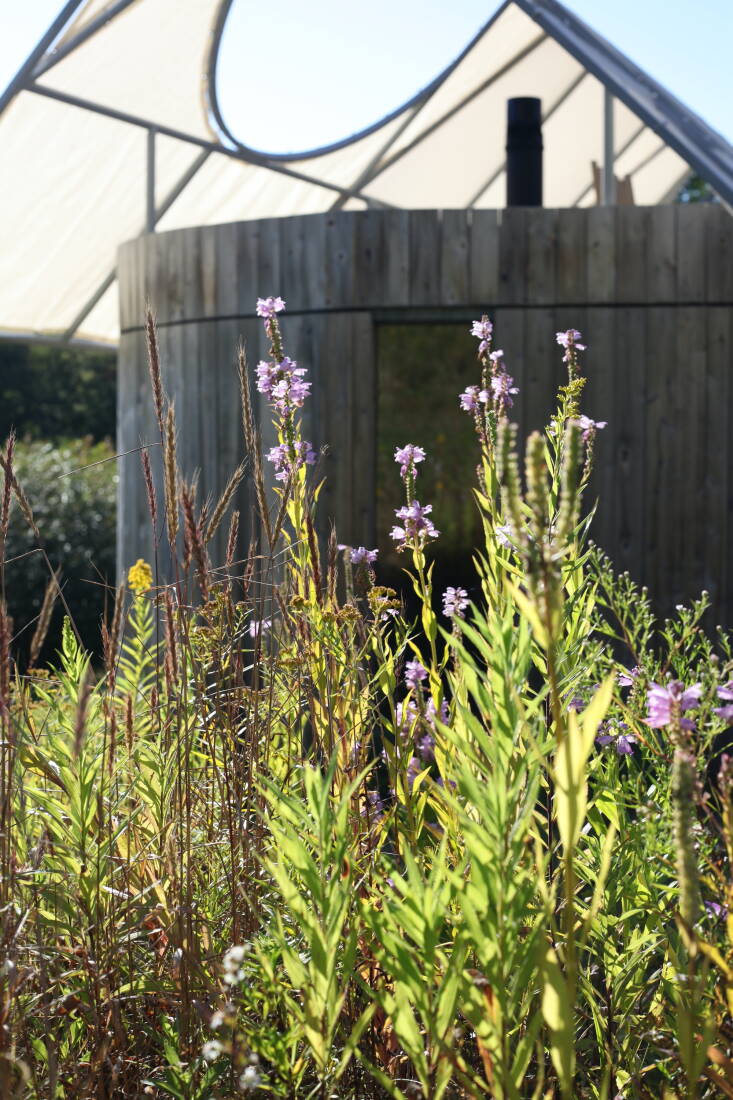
(537,487)
(569,483)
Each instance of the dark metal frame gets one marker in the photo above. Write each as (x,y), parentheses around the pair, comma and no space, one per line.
(705,150)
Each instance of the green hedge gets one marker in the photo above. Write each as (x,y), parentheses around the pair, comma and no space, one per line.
(74,506)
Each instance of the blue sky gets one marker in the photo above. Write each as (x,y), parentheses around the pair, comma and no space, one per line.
(319,70)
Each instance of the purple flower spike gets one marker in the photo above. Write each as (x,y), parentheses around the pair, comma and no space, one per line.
(415,673)
(726,713)
(501,388)
(417,527)
(455,602)
(408,457)
(666,704)
(359,555)
(268,307)
(281,459)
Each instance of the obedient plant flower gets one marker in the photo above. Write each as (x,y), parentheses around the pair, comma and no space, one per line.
(502,387)
(470,398)
(425,747)
(666,705)
(268,307)
(408,457)
(417,527)
(415,673)
(570,340)
(628,677)
(503,535)
(281,458)
(432,713)
(482,331)
(359,555)
(283,384)
(455,602)
(616,734)
(407,715)
(725,694)
(590,427)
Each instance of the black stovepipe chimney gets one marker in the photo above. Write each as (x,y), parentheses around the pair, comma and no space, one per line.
(524,152)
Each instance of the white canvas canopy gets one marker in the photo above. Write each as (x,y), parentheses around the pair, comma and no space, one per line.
(112,128)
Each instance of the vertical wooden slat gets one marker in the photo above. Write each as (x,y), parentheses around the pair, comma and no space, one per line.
(541,231)
(425,251)
(513,264)
(661,249)
(625,458)
(692,220)
(570,256)
(601,256)
(454,258)
(484,261)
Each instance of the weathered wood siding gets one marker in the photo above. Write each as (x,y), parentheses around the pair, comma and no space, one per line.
(650,288)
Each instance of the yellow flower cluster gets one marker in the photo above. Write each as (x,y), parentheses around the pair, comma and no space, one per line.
(140,577)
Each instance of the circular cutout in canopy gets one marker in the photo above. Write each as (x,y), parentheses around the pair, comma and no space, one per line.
(323,72)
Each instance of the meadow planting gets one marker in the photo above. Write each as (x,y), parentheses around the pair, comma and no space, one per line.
(284,840)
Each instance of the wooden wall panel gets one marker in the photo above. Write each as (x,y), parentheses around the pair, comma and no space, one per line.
(650,288)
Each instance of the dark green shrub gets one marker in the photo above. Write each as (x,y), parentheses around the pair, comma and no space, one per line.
(74,506)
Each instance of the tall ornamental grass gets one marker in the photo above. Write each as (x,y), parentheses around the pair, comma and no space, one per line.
(286,842)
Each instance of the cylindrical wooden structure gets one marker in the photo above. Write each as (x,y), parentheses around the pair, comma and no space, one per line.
(650,288)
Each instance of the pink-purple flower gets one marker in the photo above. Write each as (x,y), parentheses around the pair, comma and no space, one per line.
(417,526)
(455,602)
(725,694)
(469,399)
(268,307)
(502,389)
(628,677)
(616,734)
(570,340)
(283,383)
(359,555)
(415,673)
(408,457)
(281,458)
(589,426)
(666,704)
(482,331)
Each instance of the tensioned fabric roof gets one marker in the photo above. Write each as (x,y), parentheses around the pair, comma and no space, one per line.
(99,103)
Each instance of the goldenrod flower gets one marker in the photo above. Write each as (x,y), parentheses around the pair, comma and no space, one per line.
(140,577)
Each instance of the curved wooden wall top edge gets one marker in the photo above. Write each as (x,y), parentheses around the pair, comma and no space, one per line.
(395,259)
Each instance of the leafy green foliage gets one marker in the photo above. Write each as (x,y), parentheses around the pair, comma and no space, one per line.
(72,489)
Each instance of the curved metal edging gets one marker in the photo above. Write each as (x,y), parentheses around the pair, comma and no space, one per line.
(212,100)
